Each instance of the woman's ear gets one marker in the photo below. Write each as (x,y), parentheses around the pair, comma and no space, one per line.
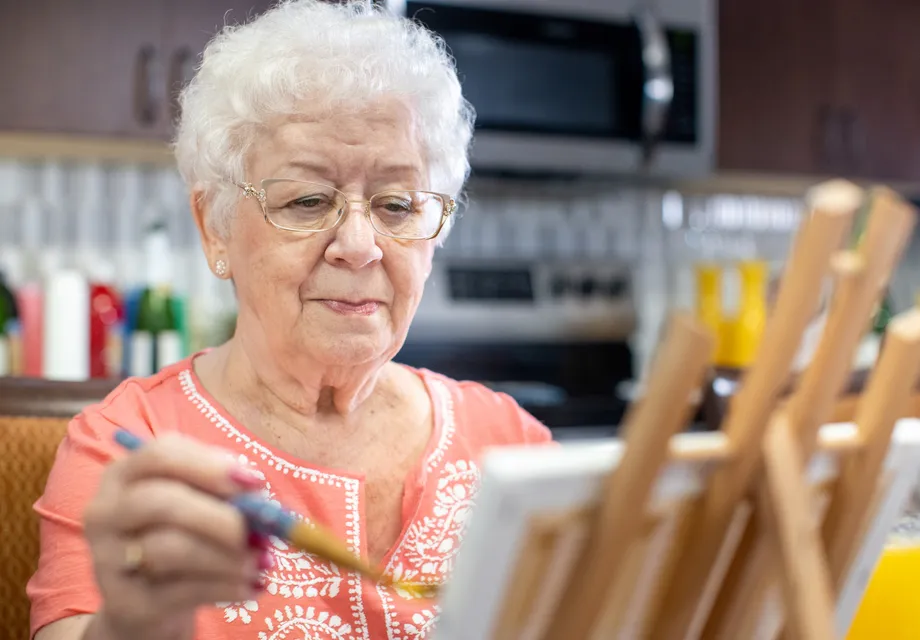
(213,244)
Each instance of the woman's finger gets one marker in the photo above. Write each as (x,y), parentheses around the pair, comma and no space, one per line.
(180,594)
(157,504)
(172,555)
(206,468)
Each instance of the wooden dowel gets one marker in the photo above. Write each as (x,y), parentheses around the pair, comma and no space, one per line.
(861,276)
(713,449)
(820,236)
(666,571)
(827,373)
(742,583)
(753,568)
(678,371)
(535,558)
(786,506)
(883,402)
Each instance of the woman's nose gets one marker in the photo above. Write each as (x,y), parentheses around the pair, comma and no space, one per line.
(355,241)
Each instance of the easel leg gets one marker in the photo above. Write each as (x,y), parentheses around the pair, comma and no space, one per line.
(742,591)
(786,509)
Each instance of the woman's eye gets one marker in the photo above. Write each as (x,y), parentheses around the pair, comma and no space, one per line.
(397,206)
(309,202)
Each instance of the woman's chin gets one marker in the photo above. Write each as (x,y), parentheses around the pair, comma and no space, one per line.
(343,350)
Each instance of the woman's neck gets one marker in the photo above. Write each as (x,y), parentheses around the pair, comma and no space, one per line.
(295,391)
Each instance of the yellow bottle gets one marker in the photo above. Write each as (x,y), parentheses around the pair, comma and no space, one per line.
(726,354)
(889,607)
(752,316)
(709,310)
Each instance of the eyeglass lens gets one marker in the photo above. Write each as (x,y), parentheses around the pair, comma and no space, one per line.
(307,206)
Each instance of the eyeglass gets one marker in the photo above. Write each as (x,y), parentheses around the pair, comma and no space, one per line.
(311,207)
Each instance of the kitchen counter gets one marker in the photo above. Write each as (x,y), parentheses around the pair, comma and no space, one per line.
(724,383)
(49,398)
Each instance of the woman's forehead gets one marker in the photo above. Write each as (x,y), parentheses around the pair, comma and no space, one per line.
(388,118)
(382,141)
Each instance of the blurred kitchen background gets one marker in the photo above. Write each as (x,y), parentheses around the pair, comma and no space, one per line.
(631,157)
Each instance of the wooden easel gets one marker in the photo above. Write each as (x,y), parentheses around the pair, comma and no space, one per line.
(761,546)
(861,277)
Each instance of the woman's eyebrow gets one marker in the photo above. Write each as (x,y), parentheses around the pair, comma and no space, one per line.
(402,171)
(308,166)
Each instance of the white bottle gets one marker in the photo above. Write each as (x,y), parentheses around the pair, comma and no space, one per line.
(65,350)
(5,356)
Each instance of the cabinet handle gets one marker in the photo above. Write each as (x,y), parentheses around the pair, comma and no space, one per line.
(145,103)
(856,141)
(831,144)
(181,69)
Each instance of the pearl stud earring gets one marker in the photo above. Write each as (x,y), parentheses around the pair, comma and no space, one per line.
(220,268)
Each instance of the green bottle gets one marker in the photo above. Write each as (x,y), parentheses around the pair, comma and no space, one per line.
(7,317)
(180,315)
(869,348)
(155,340)
(883,314)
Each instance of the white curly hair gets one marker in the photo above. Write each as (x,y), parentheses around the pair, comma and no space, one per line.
(322,54)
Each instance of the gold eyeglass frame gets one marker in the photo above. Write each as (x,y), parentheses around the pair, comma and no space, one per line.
(450,207)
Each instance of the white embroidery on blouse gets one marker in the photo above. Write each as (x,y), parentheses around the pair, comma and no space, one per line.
(446,404)
(423,555)
(305,622)
(296,575)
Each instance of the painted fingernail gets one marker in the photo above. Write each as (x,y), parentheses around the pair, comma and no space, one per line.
(266,561)
(257,541)
(245,478)
(258,586)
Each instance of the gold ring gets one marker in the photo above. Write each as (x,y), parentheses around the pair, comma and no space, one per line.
(134,557)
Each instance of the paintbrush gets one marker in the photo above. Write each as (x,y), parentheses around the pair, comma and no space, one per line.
(267,518)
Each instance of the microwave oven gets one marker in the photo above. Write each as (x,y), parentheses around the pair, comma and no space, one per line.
(583,87)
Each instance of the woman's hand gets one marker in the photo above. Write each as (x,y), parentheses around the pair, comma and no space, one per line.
(164,541)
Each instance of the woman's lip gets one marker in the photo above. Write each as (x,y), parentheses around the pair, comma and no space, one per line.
(346,308)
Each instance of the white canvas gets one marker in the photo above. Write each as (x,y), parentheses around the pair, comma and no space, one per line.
(519,483)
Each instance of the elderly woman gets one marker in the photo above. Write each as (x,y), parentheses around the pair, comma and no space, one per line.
(324,147)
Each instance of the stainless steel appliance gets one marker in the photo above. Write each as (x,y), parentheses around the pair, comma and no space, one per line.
(584,86)
(554,335)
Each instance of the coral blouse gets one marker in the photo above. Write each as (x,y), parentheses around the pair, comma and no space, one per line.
(305,597)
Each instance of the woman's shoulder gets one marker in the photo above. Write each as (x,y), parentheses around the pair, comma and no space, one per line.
(486,416)
(142,401)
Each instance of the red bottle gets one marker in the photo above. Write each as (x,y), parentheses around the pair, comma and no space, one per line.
(31,316)
(106,315)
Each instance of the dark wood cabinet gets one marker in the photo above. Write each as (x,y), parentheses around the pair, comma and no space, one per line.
(104,67)
(820,87)
(775,81)
(79,67)
(878,86)
(814,87)
(189,25)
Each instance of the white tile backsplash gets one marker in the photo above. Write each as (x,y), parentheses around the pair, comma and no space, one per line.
(88,214)
(94,214)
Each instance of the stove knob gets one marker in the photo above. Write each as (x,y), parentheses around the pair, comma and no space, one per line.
(559,286)
(616,288)
(587,286)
